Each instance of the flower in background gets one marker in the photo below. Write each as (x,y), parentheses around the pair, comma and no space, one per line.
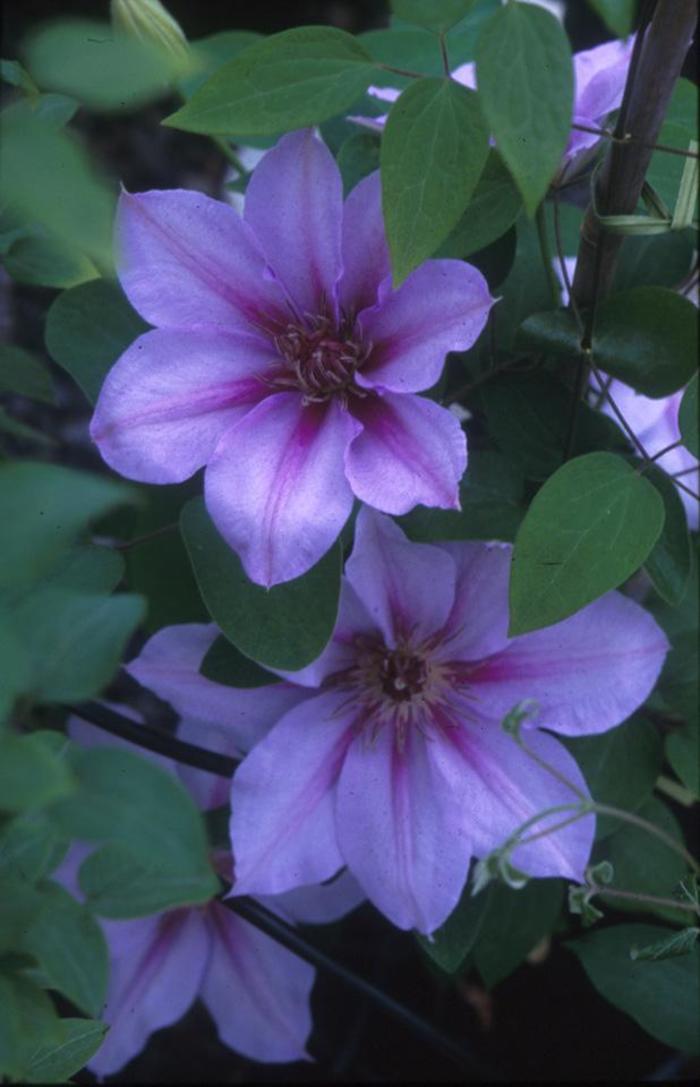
(256,991)
(283,360)
(599,83)
(150,22)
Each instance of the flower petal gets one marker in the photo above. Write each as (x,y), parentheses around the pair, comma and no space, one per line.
(478,622)
(282,800)
(401,830)
(320,903)
(256,991)
(276,487)
(600,75)
(185,259)
(166,402)
(407,588)
(411,451)
(500,787)
(587,673)
(156,971)
(441,307)
(294,204)
(365,250)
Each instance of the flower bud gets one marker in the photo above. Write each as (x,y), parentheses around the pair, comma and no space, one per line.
(149,21)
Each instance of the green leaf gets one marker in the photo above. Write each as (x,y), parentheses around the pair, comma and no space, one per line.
(12,72)
(30,774)
(223,663)
(289,80)
(514,923)
(679,128)
(49,179)
(123,798)
(358,157)
(683,753)
(115,885)
(661,996)
(75,640)
(30,847)
(44,507)
(210,52)
(98,65)
(23,373)
(451,943)
(20,903)
(589,528)
(14,665)
(493,505)
(437,15)
(21,431)
(661,260)
(37,1022)
(681,943)
(286,626)
(688,417)
(647,337)
(70,948)
(526,87)
(87,328)
(416,49)
(620,766)
(9,1028)
(644,863)
(618,15)
(493,208)
(526,288)
(669,563)
(87,568)
(434,148)
(55,1063)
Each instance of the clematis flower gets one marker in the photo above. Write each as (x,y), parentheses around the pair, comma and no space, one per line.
(256,991)
(283,361)
(599,82)
(393,761)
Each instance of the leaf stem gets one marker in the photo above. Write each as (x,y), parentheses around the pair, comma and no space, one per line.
(546,254)
(639,896)
(443,53)
(627,138)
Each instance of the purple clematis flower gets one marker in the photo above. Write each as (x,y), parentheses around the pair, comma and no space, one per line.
(256,991)
(599,82)
(283,361)
(392,759)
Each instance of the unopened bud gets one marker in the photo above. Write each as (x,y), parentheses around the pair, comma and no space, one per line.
(149,21)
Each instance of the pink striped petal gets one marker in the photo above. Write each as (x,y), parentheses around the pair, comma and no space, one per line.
(276,487)
(294,204)
(442,306)
(365,250)
(256,991)
(185,259)
(282,800)
(411,451)
(401,830)
(169,398)
(587,673)
(406,588)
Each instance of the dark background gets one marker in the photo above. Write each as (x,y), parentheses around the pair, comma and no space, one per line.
(545,1022)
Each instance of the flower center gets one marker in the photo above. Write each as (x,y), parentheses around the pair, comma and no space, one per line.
(320,360)
(402,675)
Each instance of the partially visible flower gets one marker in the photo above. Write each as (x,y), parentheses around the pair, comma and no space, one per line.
(150,22)
(283,360)
(599,82)
(256,991)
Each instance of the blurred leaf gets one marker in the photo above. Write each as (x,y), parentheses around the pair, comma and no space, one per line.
(358,157)
(14,665)
(492,500)
(433,150)
(588,529)
(661,996)
(526,86)
(514,923)
(526,289)
(46,175)
(116,885)
(493,208)
(31,776)
(296,78)
(438,15)
(223,663)
(75,640)
(286,626)
(46,507)
(209,53)
(683,753)
(36,1020)
(688,417)
(19,904)
(88,328)
(87,569)
(44,261)
(620,766)
(55,1063)
(98,65)
(618,15)
(450,945)
(21,431)
(9,1028)
(12,72)
(70,948)
(661,260)
(669,563)
(30,846)
(23,373)
(645,864)
(679,128)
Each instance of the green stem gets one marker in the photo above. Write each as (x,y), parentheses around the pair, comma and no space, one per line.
(638,896)
(651,828)
(546,252)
